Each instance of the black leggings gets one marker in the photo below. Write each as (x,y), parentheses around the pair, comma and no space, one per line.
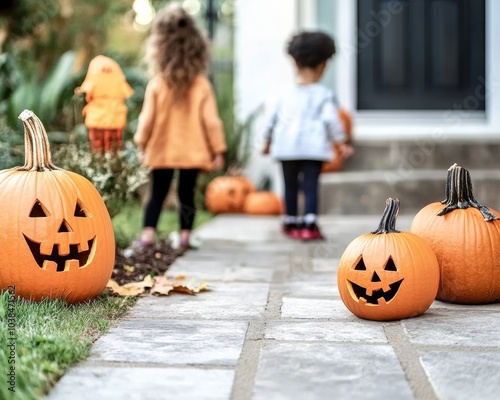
(301,174)
(160,184)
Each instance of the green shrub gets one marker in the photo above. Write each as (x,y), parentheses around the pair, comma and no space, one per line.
(11,147)
(117,177)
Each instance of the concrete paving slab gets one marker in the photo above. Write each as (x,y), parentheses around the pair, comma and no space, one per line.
(228,301)
(316,284)
(172,342)
(325,264)
(331,248)
(280,246)
(241,228)
(274,327)
(466,328)
(330,371)
(458,307)
(129,383)
(226,258)
(307,308)
(211,271)
(457,375)
(276,262)
(362,331)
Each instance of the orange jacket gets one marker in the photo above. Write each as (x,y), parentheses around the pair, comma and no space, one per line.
(180,134)
(106,90)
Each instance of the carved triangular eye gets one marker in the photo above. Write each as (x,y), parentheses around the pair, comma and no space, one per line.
(360,266)
(80,210)
(390,266)
(38,210)
(64,227)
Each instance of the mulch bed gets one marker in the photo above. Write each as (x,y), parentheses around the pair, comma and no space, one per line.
(153,260)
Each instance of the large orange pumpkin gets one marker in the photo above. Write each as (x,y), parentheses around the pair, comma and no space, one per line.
(263,203)
(226,194)
(57,240)
(337,163)
(388,274)
(466,239)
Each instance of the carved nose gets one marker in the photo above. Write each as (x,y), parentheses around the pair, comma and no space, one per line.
(65,227)
(375,277)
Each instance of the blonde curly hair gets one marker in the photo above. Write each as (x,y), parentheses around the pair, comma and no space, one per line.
(176,49)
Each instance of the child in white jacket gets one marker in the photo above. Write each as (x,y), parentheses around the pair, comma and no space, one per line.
(302,130)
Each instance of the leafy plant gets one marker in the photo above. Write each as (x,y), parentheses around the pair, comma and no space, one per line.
(117,177)
(11,147)
(39,32)
(23,90)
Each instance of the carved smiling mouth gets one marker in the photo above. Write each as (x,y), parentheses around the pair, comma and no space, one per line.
(376,295)
(63,262)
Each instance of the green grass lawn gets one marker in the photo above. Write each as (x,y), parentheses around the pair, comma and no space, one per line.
(50,336)
(128,223)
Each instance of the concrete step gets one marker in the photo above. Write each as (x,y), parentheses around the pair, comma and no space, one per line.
(365,192)
(423,154)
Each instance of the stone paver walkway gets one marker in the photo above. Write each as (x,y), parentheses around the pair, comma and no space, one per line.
(274,327)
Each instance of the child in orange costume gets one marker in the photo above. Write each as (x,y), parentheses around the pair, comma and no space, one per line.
(105,113)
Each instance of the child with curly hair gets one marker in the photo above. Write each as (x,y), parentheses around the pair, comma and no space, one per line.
(179,126)
(302,130)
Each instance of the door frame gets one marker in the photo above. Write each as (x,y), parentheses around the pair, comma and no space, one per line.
(461,122)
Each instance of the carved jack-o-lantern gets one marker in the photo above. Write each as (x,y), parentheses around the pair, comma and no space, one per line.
(387,274)
(57,239)
(226,194)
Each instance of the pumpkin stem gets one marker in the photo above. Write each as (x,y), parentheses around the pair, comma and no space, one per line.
(37,155)
(459,194)
(388,221)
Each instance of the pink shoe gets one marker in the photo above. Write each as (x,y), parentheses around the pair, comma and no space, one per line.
(311,232)
(291,230)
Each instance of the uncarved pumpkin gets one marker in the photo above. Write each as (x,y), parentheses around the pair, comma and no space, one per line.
(388,274)
(466,239)
(57,240)
(338,162)
(226,194)
(263,203)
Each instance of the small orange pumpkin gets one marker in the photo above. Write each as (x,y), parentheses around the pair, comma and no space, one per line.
(226,194)
(388,274)
(57,239)
(263,203)
(465,236)
(337,163)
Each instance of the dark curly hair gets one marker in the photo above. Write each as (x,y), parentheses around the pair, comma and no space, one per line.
(176,49)
(309,49)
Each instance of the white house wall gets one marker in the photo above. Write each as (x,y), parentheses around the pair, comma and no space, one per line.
(460,122)
(262,70)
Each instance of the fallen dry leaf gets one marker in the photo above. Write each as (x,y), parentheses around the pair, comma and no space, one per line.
(129,268)
(132,288)
(164,285)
